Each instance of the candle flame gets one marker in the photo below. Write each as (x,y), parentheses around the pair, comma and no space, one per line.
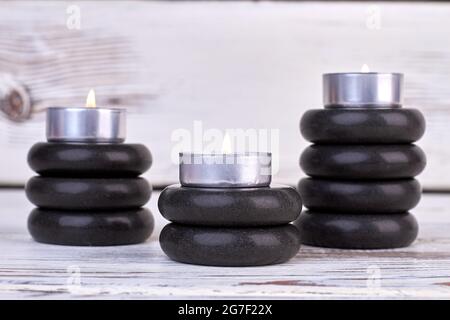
(90,101)
(365,68)
(226,144)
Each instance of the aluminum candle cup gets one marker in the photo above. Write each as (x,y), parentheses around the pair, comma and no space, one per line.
(361,89)
(93,125)
(232,170)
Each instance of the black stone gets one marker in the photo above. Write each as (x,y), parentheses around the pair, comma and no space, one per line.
(89,160)
(387,196)
(224,207)
(90,228)
(88,194)
(357,231)
(362,126)
(230,247)
(367,162)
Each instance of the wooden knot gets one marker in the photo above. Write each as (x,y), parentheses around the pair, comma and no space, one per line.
(15,101)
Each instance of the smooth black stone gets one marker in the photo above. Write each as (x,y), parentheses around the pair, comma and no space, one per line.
(230,247)
(89,160)
(88,194)
(362,126)
(368,162)
(357,231)
(224,207)
(102,228)
(389,196)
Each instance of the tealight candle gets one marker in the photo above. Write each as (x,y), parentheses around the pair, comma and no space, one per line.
(362,164)
(232,170)
(88,124)
(363,89)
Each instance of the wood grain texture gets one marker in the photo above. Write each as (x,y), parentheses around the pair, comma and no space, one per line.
(231,65)
(30,270)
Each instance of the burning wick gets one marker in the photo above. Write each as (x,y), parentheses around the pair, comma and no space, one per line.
(90,101)
(365,68)
(86,124)
(226,144)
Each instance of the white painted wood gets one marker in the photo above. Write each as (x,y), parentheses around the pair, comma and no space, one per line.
(30,270)
(231,64)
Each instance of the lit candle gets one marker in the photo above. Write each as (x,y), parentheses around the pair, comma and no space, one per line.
(88,124)
(226,169)
(88,191)
(226,213)
(361,165)
(363,89)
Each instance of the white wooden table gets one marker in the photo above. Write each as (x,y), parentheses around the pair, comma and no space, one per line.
(32,270)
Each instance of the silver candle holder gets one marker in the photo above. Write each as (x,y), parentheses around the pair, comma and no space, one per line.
(92,125)
(363,89)
(234,170)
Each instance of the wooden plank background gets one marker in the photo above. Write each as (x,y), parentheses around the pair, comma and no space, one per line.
(232,65)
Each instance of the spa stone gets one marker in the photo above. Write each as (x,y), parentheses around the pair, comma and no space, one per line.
(383,196)
(88,193)
(362,125)
(89,160)
(230,247)
(84,228)
(357,231)
(364,162)
(230,207)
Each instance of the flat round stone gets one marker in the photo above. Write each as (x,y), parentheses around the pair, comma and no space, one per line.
(88,194)
(362,126)
(226,207)
(97,228)
(230,247)
(387,196)
(367,162)
(89,160)
(357,231)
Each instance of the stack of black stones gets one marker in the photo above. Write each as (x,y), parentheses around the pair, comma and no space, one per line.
(89,194)
(361,171)
(230,226)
